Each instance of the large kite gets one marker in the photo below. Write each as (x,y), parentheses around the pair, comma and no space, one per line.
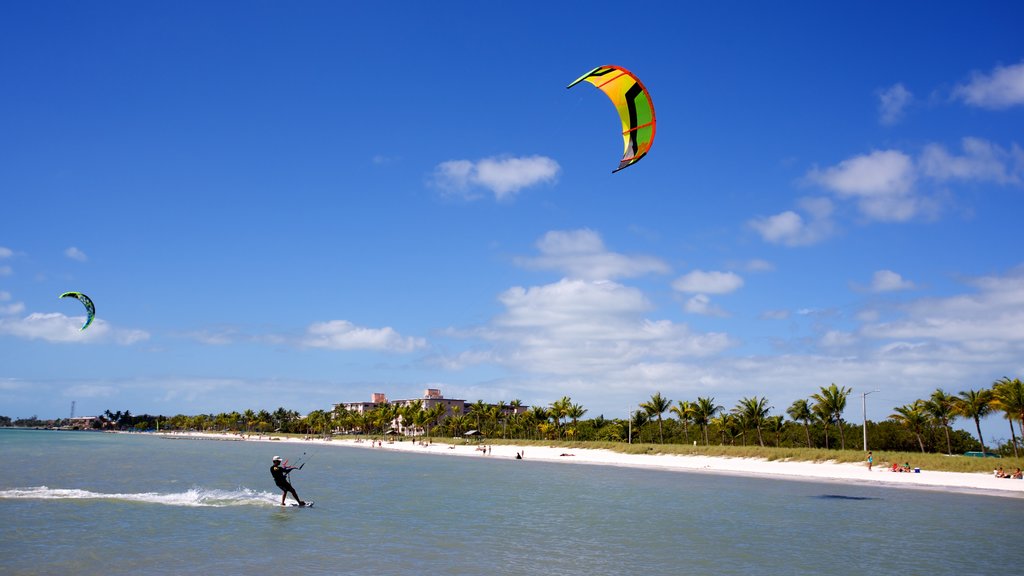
(635,108)
(90,309)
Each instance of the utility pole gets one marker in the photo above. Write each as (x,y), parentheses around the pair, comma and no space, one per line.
(629,418)
(864,406)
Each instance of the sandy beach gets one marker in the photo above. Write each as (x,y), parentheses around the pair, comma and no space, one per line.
(851,474)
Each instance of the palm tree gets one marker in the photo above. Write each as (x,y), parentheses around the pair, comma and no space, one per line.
(753,411)
(540,417)
(822,414)
(575,412)
(558,410)
(478,410)
(941,409)
(704,410)
(833,400)
(914,417)
(640,418)
(975,404)
(684,411)
(776,425)
(1009,398)
(248,416)
(657,405)
(800,411)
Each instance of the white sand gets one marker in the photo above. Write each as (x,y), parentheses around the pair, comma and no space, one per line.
(858,474)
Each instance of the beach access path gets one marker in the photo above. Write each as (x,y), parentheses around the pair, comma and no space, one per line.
(855,474)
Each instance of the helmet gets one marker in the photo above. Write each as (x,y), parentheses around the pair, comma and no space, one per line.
(277,458)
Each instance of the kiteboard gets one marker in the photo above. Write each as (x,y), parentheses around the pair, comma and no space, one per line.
(306,504)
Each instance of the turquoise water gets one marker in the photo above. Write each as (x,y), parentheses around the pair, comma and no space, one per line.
(75,502)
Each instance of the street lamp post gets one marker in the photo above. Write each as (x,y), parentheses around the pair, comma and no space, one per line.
(864,406)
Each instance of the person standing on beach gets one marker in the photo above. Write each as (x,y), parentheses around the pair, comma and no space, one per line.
(280,474)
(870,461)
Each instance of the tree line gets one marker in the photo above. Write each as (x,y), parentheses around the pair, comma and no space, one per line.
(814,422)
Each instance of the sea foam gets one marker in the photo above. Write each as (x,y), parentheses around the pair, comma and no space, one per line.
(195,496)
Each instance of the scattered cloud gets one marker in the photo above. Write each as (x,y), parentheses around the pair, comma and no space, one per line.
(986,320)
(882,183)
(981,161)
(889,281)
(582,254)
(55,327)
(775,315)
(892,102)
(580,327)
(1000,89)
(5,253)
(76,254)
(789,228)
(714,282)
(700,284)
(12,308)
(758,265)
(701,304)
(344,335)
(503,176)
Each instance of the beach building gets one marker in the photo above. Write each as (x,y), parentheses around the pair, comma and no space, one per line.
(81,422)
(431,398)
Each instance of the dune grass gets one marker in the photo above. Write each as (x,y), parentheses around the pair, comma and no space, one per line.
(927,461)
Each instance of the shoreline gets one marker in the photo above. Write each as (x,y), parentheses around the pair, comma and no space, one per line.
(829,472)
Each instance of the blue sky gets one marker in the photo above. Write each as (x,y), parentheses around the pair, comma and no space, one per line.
(280,204)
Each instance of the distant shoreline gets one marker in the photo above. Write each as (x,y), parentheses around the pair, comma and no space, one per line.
(849,474)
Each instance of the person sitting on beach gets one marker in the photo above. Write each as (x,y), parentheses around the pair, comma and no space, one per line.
(280,474)
(1018,475)
(895,467)
(906,467)
(999,473)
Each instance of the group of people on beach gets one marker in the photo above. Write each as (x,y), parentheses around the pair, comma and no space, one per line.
(895,467)
(999,473)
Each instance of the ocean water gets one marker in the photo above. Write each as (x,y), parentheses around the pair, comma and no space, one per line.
(91,503)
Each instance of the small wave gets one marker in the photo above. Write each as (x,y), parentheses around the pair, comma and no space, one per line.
(194,497)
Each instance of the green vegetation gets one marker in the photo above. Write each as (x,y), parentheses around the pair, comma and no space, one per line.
(919,433)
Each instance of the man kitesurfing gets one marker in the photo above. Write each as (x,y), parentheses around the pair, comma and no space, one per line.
(280,473)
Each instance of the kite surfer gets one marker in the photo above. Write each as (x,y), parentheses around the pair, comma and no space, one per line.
(280,473)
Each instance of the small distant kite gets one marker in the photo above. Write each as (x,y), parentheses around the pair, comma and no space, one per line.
(635,108)
(90,309)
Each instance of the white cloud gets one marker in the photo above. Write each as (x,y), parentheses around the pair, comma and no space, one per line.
(838,339)
(791,229)
(892,102)
(5,252)
(987,319)
(582,254)
(503,176)
(713,282)
(1003,88)
(701,304)
(12,308)
(343,335)
(584,328)
(55,327)
(889,281)
(981,161)
(758,265)
(879,173)
(76,254)
(882,183)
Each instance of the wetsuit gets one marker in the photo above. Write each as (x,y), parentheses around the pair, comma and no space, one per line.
(280,474)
